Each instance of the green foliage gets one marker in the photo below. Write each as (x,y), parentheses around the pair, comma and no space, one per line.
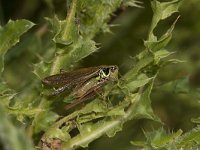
(11,137)
(9,36)
(65,43)
(159,139)
(190,139)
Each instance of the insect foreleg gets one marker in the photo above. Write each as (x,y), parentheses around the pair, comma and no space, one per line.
(63,71)
(59,90)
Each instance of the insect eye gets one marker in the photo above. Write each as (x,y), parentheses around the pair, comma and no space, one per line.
(106,71)
(113,68)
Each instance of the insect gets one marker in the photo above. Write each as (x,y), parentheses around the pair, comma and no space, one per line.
(85,83)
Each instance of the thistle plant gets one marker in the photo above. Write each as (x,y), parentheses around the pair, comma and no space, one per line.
(64,44)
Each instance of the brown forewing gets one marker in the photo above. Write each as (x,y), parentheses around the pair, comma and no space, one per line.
(71,78)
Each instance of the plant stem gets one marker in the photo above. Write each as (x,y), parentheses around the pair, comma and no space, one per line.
(44,103)
(81,140)
(70,20)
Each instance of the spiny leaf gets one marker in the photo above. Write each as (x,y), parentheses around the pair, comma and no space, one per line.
(133,3)
(190,139)
(41,69)
(161,11)
(158,139)
(196,120)
(182,86)
(44,120)
(12,137)
(9,36)
(57,28)
(5,99)
(112,132)
(143,108)
(82,49)
(155,44)
(21,112)
(93,15)
(162,54)
(161,139)
(141,81)
(58,133)
(4,89)
(143,62)
(6,94)
(93,132)
(138,143)
(73,53)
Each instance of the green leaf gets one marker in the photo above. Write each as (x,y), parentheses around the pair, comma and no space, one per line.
(161,139)
(141,81)
(41,69)
(155,45)
(111,133)
(118,110)
(57,28)
(138,143)
(133,3)
(196,120)
(190,139)
(82,49)
(96,106)
(44,120)
(90,132)
(162,54)
(57,133)
(95,15)
(182,86)
(158,139)
(72,54)
(11,137)
(6,94)
(161,11)
(3,88)
(9,36)
(143,108)
(21,112)
(145,60)
(5,99)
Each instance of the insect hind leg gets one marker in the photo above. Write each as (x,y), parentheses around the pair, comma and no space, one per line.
(87,96)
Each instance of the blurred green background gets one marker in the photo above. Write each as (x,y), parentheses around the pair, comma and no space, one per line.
(176,95)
